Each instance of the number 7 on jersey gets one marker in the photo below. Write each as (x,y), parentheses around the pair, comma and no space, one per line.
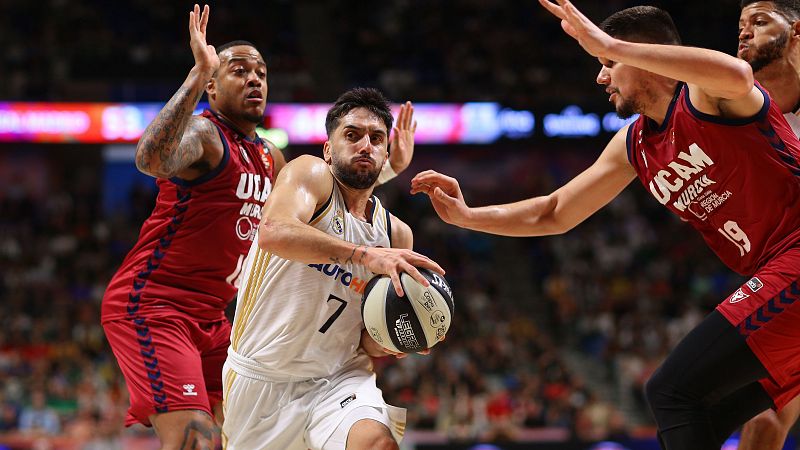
(335,314)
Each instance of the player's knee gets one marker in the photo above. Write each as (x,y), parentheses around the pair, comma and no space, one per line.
(194,439)
(193,443)
(667,399)
(655,390)
(185,430)
(766,423)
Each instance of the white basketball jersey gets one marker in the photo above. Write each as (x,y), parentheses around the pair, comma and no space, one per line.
(296,320)
(794,121)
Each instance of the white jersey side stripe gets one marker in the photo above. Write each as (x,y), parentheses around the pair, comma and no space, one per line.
(253,284)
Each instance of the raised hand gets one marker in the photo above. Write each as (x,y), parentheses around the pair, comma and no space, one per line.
(394,261)
(205,56)
(445,195)
(401,148)
(594,40)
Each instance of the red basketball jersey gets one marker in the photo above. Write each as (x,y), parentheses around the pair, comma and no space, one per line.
(190,250)
(736,181)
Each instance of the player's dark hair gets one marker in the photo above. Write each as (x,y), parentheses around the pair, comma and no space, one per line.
(370,99)
(790,9)
(646,24)
(230,44)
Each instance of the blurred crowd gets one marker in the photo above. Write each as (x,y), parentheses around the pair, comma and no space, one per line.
(57,251)
(432,51)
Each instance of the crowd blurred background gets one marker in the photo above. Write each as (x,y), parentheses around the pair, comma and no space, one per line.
(553,337)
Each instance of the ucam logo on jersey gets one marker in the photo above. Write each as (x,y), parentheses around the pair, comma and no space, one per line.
(738,296)
(251,191)
(684,176)
(245,228)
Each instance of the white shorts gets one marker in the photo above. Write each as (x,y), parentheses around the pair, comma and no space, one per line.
(313,414)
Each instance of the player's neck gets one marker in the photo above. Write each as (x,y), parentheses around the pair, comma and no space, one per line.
(356,200)
(243,127)
(782,81)
(658,109)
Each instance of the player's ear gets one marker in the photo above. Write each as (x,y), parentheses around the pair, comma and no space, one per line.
(326,152)
(211,87)
(796,29)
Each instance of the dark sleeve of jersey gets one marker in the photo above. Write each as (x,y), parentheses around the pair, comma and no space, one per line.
(322,208)
(388,225)
(629,145)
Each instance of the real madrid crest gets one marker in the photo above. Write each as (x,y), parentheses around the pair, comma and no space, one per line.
(337,222)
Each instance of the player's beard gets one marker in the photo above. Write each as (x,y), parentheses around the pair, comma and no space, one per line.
(355,178)
(628,108)
(765,54)
(254,118)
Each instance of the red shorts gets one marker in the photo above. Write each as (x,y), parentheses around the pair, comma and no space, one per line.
(766,310)
(169,363)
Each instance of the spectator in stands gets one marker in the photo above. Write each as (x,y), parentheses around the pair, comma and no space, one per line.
(38,418)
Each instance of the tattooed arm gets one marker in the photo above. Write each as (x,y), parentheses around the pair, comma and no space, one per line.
(175,143)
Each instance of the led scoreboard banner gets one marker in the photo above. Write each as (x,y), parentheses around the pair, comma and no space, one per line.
(92,123)
(438,123)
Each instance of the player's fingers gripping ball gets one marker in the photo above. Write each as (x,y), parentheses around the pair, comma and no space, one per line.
(412,323)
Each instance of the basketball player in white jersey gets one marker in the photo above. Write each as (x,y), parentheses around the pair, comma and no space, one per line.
(769,39)
(298,373)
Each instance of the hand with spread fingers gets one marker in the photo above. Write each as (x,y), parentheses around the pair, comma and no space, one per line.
(394,261)
(205,56)
(401,148)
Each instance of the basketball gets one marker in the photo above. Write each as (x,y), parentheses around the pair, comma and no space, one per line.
(412,323)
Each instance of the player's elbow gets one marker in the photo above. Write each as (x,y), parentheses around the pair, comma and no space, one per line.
(267,233)
(273,235)
(741,79)
(142,162)
(551,226)
(148,165)
(549,222)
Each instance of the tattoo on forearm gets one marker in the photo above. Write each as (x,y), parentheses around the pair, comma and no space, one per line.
(363,254)
(349,259)
(162,137)
(197,436)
